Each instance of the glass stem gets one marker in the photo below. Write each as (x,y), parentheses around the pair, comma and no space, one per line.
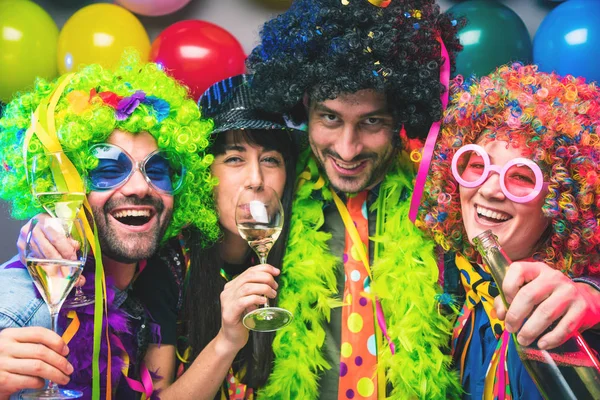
(263,260)
(53,387)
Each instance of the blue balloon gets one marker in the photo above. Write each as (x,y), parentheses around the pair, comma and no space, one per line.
(568,40)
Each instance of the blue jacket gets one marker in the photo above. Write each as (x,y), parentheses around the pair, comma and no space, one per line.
(19,304)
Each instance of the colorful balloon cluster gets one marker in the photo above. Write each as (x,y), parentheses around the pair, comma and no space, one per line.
(31,45)
(567,41)
(197,53)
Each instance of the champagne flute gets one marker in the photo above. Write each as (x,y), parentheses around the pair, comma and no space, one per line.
(54,279)
(259,219)
(49,186)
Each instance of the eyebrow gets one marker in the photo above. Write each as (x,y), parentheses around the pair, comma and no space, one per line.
(234,147)
(379,112)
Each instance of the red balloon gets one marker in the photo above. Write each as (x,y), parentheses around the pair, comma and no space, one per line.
(198,54)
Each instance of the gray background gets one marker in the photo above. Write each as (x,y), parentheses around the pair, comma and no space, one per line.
(240,17)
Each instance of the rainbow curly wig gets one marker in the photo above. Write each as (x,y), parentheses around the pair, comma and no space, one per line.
(327,47)
(87,113)
(555,121)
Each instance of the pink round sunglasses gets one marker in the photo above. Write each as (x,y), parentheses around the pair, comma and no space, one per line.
(532,192)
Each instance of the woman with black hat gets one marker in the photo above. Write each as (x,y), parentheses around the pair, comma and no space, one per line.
(220,357)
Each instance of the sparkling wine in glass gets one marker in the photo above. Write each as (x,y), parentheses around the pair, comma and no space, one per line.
(50,187)
(61,205)
(54,279)
(259,219)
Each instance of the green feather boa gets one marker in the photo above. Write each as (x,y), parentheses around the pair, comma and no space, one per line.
(405,280)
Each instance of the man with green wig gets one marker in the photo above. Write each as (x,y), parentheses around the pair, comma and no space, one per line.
(135,141)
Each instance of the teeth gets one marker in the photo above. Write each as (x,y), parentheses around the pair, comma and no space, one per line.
(350,166)
(132,213)
(492,214)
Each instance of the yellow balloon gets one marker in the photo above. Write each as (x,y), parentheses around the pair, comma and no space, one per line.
(98,34)
(27,46)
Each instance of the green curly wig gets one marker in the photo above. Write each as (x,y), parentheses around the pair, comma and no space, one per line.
(178,129)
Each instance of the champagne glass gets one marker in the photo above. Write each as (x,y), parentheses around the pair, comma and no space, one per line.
(259,219)
(54,279)
(49,186)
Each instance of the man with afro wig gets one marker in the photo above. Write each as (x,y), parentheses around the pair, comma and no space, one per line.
(366,76)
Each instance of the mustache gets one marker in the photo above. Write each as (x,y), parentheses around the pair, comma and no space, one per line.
(360,157)
(154,202)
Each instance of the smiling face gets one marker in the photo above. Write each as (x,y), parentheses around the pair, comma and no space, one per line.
(519,226)
(239,165)
(351,137)
(133,218)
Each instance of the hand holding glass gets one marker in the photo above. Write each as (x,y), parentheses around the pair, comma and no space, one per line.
(49,186)
(54,279)
(259,219)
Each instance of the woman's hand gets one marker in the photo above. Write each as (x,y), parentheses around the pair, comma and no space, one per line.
(242,295)
(540,296)
(204,377)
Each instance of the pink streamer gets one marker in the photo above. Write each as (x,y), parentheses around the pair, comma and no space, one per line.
(141,266)
(383,326)
(145,385)
(502,365)
(431,138)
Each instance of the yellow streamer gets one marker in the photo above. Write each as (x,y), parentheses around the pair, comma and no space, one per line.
(72,328)
(352,231)
(67,178)
(185,357)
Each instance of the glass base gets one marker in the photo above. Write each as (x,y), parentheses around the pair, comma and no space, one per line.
(78,301)
(267,319)
(49,394)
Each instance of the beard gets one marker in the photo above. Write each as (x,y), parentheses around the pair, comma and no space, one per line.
(380,165)
(130,247)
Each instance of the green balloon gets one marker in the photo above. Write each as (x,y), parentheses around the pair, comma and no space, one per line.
(494,35)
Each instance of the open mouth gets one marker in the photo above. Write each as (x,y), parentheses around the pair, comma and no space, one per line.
(133,217)
(493,216)
(349,168)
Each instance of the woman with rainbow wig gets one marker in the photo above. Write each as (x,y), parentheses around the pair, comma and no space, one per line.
(518,153)
(137,140)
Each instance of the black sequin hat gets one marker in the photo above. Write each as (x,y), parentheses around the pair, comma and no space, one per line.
(230,105)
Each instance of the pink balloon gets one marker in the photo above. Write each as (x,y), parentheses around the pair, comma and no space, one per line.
(153,8)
